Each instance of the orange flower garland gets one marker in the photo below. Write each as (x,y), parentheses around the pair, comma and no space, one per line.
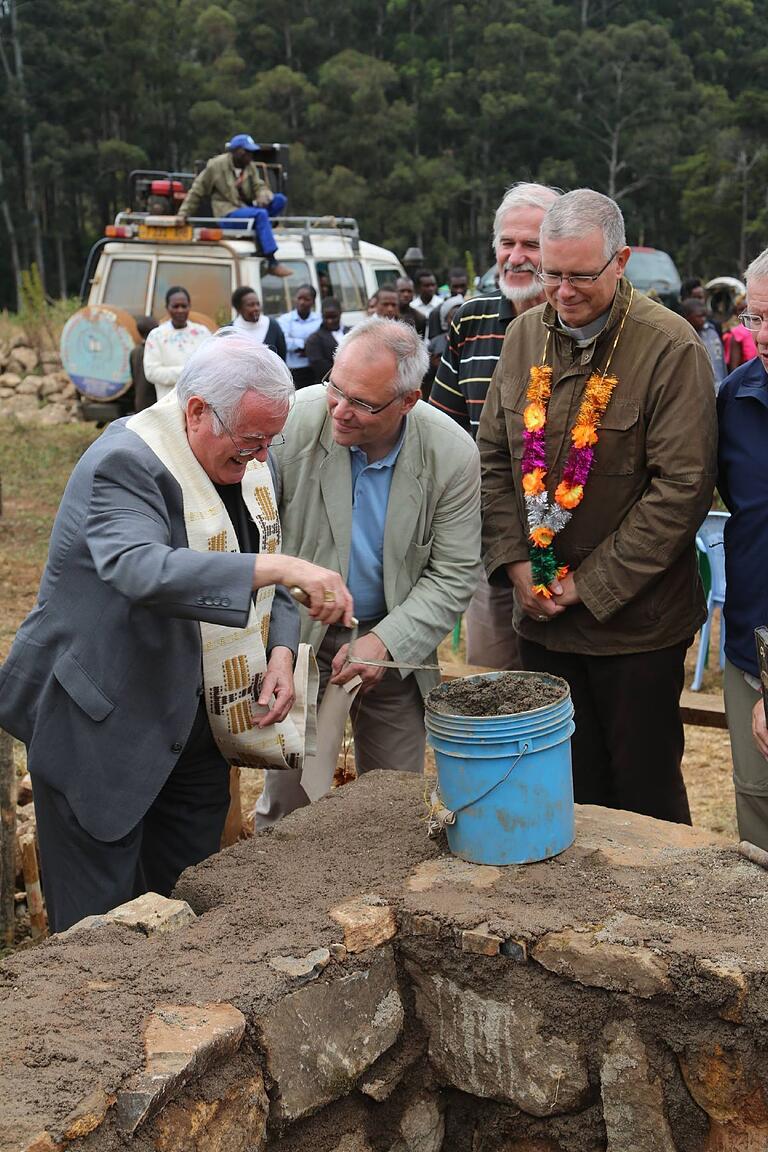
(546,519)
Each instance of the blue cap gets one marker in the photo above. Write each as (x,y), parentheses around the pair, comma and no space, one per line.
(242,140)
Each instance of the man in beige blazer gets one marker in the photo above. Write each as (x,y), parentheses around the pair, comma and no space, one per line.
(385,490)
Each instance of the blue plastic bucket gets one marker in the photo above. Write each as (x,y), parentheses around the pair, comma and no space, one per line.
(505,780)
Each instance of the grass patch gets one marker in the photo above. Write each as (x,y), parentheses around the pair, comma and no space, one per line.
(35,464)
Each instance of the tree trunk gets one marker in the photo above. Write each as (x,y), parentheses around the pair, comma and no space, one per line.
(61,266)
(57,217)
(12,240)
(743,169)
(613,163)
(30,192)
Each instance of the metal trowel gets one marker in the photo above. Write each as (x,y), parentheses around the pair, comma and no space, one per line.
(302,598)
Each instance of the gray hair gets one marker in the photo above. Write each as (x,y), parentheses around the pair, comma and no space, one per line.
(758,269)
(223,368)
(522,195)
(582,211)
(401,340)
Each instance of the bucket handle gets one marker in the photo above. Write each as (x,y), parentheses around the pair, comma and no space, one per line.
(440,816)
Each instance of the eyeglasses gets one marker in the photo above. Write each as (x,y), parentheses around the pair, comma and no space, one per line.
(264,441)
(358,405)
(580,280)
(752,321)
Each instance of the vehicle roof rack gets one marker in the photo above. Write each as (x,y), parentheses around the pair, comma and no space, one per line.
(308,226)
(244,228)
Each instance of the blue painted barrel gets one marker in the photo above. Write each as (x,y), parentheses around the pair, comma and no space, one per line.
(506,779)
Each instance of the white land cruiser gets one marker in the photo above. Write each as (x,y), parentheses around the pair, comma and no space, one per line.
(142,255)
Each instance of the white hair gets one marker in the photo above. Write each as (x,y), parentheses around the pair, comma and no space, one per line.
(758,269)
(223,368)
(522,195)
(582,211)
(402,340)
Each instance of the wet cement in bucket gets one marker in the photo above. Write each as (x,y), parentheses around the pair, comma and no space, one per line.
(502,695)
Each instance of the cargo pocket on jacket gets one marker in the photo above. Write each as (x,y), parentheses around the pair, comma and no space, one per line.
(81,688)
(417,558)
(617,451)
(513,418)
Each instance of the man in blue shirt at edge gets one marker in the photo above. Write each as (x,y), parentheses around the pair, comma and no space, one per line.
(388,489)
(742,410)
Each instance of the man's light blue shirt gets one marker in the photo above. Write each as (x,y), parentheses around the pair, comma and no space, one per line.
(371,484)
(297,332)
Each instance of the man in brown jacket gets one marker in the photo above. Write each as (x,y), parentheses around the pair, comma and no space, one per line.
(613,492)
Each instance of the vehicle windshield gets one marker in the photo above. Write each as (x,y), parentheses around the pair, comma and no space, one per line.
(209,287)
(126,286)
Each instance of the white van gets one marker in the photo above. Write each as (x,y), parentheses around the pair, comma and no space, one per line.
(140,257)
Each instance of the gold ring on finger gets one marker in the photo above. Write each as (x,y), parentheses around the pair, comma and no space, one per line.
(328,596)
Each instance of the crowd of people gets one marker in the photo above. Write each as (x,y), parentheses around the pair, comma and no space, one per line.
(306,338)
(549,489)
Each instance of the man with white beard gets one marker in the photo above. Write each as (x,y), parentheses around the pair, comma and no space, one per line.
(475,340)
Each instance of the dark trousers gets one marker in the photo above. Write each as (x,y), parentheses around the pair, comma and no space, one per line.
(83,876)
(629,739)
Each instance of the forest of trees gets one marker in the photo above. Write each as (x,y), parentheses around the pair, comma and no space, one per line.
(412,115)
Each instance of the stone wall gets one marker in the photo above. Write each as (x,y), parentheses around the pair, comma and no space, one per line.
(342,984)
(33,386)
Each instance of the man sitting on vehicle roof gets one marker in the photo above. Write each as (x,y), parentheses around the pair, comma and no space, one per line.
(237,192)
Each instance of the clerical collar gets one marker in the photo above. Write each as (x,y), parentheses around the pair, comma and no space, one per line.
(585,335)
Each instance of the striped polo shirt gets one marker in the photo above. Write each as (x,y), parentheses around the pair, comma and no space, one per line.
(475,340)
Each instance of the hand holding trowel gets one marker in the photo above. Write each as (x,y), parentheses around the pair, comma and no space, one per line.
(362,652)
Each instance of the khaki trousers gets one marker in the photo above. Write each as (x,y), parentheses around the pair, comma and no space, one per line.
(388,726)
(750,768)
(491,639)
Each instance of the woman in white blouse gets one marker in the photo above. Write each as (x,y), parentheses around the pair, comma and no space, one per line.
(250,320)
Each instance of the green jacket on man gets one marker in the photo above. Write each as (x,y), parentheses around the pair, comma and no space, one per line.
(431,548)
(217,182)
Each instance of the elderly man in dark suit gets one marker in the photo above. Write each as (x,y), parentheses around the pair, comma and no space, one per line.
(159,649)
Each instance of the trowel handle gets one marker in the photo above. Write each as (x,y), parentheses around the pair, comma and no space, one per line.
(302,597)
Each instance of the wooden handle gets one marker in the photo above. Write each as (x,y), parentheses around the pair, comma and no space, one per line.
(302,597)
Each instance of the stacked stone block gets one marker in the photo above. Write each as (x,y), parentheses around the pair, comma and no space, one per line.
(594,1002)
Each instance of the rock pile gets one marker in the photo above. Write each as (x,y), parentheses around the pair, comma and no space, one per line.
(33,386)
